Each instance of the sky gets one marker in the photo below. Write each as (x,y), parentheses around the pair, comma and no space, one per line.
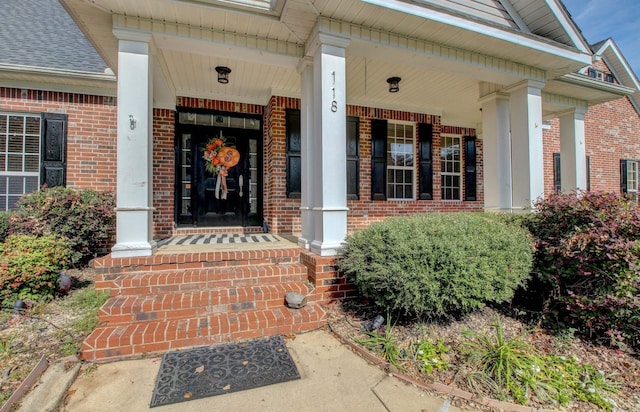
(619,19)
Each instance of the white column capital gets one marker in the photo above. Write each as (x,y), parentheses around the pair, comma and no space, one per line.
(122,33)
(493,96)
(336,43)
(527,83)
(576,112)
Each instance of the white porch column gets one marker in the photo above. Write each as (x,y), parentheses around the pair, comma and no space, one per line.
(328,148)
(525,107)
(497,152)
(307,159)
(134,211)
(573,166)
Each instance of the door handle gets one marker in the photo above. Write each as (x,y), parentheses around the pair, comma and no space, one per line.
(240,183)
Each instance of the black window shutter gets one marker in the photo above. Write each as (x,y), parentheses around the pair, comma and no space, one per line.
(425,145)
(557,179)
(588,160)
(470,168)
(378,159)
(623,176)
(353,158)
(53,159)
(294,152)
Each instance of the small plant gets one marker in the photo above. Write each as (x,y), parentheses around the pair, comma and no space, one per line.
(4,225)
(385,344)
(438,264)
(87,302)
(6,345)
(29,266)
(511,368)
(432,355)
(85,217)
(587,262)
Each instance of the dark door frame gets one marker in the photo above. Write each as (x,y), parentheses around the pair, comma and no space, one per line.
(192,220)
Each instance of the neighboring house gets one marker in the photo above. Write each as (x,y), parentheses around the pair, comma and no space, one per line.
(342,112)
(57,104)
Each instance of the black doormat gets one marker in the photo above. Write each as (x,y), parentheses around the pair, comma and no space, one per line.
(218,239)
(214,370)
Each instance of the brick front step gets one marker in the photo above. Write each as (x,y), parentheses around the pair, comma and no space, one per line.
(196,260)
(129,309)
(176,280)
(111,342)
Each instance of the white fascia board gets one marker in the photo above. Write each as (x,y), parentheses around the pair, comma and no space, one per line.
(199,94)
(609,51)
(71,74)
(582,56)
(584,81)
(568,26)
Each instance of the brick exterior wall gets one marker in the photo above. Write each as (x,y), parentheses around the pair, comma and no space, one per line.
(283,214)
(91,132)
(164,171)
(612,133)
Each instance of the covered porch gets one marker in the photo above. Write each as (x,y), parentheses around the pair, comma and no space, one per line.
(495,76)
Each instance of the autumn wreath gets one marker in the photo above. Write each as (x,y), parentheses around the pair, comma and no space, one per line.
(219,158)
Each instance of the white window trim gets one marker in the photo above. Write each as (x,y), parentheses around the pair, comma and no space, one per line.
(635,176)
(413,168)
(4,174)
(459,174)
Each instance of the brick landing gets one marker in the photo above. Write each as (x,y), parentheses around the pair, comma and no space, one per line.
(187,297)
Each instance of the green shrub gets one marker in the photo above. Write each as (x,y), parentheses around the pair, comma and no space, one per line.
(4,225)
(437,264)
(29,266)
(587,257)
(85,217)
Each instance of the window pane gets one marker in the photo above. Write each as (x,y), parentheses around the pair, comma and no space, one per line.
(31,163)
(15,163)
(33,126)
(16,124)
(32,144)
(15,143)
(31,184)
(16,185)
(3,185)
(13,202)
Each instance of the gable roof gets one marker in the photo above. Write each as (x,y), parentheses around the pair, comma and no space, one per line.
(40,33)
(608,51)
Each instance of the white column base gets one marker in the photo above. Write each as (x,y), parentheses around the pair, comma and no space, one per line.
(133,249)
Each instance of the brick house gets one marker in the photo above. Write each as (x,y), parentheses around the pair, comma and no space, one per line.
(309,90)
(338,113)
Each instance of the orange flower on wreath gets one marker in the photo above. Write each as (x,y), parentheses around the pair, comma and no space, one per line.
(218,157)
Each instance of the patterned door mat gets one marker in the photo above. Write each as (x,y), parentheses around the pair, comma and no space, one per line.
(215,370)
(218,239)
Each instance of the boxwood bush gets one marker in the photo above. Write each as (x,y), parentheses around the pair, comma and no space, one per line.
(29,266)
(438,264)
(85,217)
(587,262)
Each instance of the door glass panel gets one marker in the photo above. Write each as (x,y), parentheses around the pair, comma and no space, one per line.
(186,174)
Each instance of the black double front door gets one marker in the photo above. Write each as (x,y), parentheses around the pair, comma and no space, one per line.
(228,192)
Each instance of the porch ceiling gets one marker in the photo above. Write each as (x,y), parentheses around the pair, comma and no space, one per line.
(193,37)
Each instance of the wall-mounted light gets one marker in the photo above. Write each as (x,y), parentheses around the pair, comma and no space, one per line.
(394,84)
(223,74)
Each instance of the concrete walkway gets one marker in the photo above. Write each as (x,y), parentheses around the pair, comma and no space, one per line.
(333,379)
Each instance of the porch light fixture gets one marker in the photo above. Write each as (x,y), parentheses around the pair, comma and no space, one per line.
(394,85)
(223,74)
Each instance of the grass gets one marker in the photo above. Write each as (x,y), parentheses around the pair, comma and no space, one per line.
(512,369)
(85,302)
(385,344)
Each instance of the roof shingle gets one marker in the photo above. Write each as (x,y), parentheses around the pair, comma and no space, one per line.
(41,33)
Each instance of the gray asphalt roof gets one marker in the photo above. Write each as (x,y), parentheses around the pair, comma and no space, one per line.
(41,33)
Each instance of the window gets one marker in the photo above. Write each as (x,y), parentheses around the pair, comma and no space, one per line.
(557,177)
(19,157)
(294,156)
(400,165)
(451,180)
(629,176)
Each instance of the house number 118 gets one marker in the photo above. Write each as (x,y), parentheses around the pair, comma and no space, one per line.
(334,103)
